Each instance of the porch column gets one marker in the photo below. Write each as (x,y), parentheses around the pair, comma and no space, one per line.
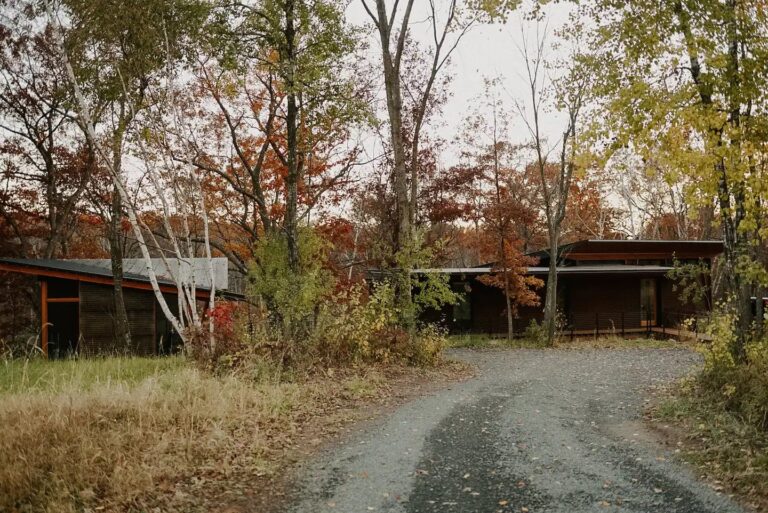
(44,317)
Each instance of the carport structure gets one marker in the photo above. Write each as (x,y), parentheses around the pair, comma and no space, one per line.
(77,302)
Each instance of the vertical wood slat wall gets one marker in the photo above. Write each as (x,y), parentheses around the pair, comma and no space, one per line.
(97,312)
(91,323)
(44,316)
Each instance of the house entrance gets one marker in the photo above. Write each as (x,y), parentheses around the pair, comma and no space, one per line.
(648,302)
(63,332)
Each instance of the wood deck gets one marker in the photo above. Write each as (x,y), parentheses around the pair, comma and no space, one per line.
(678,333)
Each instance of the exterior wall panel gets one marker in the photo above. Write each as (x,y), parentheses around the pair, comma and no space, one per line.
(608,302)
(604,302)
(97,314)
(97,310)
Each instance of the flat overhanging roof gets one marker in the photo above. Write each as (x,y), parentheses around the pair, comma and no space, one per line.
(636,248)
(96,272)
(576,269)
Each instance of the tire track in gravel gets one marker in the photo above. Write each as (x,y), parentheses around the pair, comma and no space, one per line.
(547,431)
(464,468)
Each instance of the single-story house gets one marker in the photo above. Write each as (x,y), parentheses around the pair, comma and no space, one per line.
(77,301)
(603,285)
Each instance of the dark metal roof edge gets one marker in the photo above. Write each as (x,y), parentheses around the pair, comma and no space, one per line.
(565,247)
(640,269)
(79,268)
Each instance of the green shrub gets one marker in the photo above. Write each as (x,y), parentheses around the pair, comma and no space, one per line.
(350,321)
(358,326)
(535,333)
(719,355)
(427,346)
(299,319)
(291,298)
(740,388)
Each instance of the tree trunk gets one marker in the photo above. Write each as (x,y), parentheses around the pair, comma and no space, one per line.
(502,229)
(292,178)
(122,329)
(762,292)
(510,318)
(731,210)
(119,191)
(550,302)
(403,235)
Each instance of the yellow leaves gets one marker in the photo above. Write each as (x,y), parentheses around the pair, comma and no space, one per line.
(729,390)
(495,10)
(718,356)
(146,134)
(757,352)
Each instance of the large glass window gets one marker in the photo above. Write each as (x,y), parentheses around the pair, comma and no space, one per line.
(462,310)
(648,301)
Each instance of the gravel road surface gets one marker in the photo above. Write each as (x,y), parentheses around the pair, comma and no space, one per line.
(557,431)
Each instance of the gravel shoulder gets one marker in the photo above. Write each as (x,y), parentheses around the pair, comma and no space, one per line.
(555,431)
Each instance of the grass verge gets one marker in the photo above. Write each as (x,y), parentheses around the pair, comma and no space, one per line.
(142,434)
(730,454)
(478,341)
(605,342)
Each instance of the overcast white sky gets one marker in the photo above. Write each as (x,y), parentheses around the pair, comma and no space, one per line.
(487,51)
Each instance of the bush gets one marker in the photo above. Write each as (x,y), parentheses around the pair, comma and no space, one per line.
(535,333)
(229,347)
(740,388)
(299,319)
(355,326)
(427,346)
(349,324)
(291,298)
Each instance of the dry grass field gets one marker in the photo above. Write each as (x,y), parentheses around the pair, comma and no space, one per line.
(135,434)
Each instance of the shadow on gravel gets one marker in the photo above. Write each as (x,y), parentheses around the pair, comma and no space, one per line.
(463,469)
(534,432)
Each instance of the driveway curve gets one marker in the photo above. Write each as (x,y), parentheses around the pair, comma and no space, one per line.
(556,431)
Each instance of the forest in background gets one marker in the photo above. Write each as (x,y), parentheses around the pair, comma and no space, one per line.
(308,151)
(246,130)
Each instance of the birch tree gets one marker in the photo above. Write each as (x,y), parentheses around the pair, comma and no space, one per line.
(116,60)
(188,322)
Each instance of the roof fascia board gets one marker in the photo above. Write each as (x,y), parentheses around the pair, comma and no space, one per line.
(88,278)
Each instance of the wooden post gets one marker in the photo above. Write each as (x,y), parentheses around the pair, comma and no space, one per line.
(44,317)
(622,324)
(156,342)
(597,324)
(648,323)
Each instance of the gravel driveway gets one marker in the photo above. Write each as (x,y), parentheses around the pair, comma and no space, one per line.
(535,431)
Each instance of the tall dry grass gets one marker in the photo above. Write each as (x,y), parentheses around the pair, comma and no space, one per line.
(129,434)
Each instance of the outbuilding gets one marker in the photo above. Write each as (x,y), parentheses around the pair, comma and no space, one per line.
(77,306)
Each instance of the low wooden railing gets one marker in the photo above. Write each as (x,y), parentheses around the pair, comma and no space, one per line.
(623,322)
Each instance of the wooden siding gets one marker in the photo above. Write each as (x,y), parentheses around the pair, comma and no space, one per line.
(489,315)
(604,302)
(675,310)
(97,311)
(588,302)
